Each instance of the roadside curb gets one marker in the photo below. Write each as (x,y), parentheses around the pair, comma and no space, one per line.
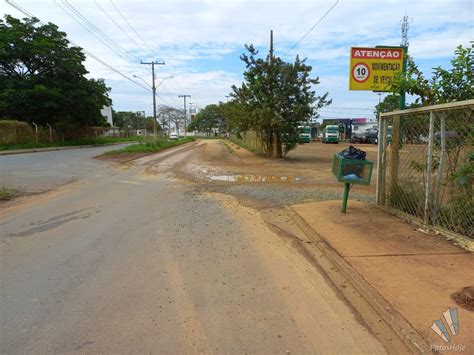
(410,337)
(50,149)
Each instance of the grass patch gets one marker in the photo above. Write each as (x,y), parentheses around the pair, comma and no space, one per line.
(151,146)
(240,143)
(6,193)
(86,141)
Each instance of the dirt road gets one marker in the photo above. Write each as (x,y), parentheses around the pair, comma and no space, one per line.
(164,255)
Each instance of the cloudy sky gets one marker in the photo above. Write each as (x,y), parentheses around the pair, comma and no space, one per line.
(200,41)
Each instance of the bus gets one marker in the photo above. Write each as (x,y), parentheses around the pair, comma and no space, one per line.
(331,134)
(304,135)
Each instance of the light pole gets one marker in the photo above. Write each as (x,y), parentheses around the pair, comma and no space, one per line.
(144,119)
(153,89)
(161,82)
(185,116)
(139,77)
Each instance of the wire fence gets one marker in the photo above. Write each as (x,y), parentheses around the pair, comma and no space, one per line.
(426,165)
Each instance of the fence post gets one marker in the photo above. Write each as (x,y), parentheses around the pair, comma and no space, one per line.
(383,164)
(36,131)
(429,169)
(50,132)
(380,140)
(442,160)
(395,152)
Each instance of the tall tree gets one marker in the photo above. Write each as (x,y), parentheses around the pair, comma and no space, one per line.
(445,85)
(390,102)
(278,96)
(43,78)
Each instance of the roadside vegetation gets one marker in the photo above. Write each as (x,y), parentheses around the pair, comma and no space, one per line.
(151,146)
(6,193)
(44,79)
(72,143)
(275,98)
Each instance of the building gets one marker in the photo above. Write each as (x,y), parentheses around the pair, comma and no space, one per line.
(107,113)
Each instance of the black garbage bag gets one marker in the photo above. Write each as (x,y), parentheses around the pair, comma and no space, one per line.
(353,153)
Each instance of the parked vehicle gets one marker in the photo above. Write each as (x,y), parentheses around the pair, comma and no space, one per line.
(370,136)
(331,134)
(304,134)
(174,136)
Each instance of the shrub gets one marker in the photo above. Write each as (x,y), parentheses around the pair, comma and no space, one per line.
(15,132)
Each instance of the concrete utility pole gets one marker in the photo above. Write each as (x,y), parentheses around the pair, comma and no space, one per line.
(153,88)
(142,113)
(185,115)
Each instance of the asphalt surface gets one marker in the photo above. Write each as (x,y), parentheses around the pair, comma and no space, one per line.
(134,262)
(35,172)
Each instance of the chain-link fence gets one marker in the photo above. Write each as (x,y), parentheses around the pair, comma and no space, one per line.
(426,165)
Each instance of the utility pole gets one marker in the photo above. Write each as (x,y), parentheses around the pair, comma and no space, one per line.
(185,116)
(404,44)
(153,88)
(271,45)
(143,114)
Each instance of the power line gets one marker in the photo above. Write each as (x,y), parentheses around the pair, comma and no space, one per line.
(25,12)
(118,26)
(154,50)
(130,25)
(93,32)
(311,29)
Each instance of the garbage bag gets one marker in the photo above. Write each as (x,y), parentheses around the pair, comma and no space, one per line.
(353,153)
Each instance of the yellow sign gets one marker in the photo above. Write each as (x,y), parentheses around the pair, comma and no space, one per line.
(373,69)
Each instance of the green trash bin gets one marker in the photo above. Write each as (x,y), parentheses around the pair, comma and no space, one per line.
(351,171)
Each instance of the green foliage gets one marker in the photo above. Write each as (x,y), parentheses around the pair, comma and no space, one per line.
(456,215)
(407,197)
(276,97)
(152,146)
(128,120)
(389,103)
(455,84)
(43,78)
(208,118)
(6,193)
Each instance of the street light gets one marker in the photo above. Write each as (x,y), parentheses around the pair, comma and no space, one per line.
(154,97)
(139,77)
(161,82)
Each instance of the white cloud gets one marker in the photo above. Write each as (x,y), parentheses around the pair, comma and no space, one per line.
(187,34)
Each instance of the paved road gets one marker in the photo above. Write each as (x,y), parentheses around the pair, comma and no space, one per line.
(140,262)
(41,171)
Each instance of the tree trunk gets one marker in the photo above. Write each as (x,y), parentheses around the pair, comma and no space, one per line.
(279,148)
(270,143)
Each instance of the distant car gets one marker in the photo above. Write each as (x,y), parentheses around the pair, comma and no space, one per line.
(174,136)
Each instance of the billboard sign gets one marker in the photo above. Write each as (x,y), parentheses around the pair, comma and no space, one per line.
(373,69)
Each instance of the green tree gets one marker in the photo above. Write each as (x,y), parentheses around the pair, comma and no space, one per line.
(445,85)
(390,102)
(278,97)
(207,119)
(43,77)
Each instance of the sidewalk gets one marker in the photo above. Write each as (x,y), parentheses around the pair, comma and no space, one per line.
(414,272)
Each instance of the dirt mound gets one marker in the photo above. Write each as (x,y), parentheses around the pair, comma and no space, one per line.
(465,298)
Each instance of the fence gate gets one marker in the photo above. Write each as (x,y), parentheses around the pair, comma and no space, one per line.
(425,165)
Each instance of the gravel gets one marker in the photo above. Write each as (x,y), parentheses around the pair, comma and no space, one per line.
(282,195)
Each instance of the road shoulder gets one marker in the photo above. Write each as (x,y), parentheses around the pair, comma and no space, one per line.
(411,273)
